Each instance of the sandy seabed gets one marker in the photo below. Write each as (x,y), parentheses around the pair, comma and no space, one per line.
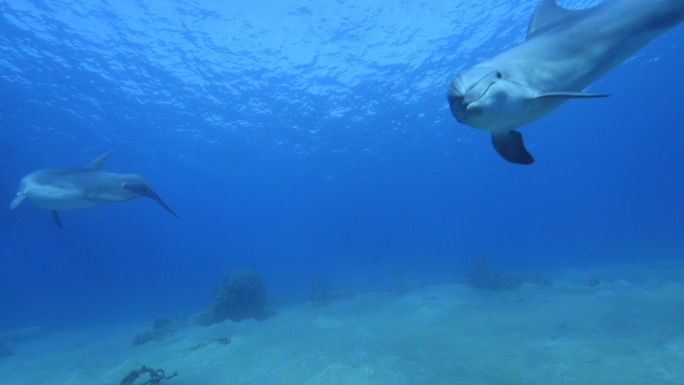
(623,331)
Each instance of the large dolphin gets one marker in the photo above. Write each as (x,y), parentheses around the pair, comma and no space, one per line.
(564,52)
(74,188)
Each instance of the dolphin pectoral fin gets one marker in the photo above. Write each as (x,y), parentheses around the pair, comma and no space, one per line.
(511,147)
(17,201)
(570,95)
(55,217)
(146,191)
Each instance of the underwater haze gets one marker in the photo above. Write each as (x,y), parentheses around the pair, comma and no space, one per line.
(302,138)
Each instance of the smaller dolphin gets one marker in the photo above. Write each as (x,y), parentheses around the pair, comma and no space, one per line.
(74,188)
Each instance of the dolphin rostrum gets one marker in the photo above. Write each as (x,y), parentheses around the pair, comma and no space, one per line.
(564,52)
(74,188)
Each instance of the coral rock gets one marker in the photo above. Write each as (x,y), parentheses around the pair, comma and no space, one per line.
(240,295)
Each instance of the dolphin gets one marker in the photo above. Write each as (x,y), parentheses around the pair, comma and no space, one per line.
(75,188)
(565,50)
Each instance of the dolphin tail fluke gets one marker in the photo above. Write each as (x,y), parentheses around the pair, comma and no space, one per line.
(511,147)
(146,191)
(55,217)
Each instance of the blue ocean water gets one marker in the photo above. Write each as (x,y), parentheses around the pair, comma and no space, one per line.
(305,138)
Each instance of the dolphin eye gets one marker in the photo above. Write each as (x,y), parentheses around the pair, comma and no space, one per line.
(499,75)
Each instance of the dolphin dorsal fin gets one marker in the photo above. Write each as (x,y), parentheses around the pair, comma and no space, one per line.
(98,163)
(548,12)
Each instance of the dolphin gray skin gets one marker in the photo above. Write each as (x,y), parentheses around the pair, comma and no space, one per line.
(74,188)
(564,52)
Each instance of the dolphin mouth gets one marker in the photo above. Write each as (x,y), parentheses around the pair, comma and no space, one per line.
(464,105)
(456,107)
(474,109)
(470,100)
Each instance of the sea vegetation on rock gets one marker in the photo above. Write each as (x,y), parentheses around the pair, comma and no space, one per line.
(483,277)
(162,328)
(13,336)
(319,293)
(240,295)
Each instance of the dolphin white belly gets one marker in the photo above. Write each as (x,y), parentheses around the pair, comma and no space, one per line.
(564,52)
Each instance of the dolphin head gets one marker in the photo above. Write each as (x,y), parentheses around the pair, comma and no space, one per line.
(488,99)
(21,194)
